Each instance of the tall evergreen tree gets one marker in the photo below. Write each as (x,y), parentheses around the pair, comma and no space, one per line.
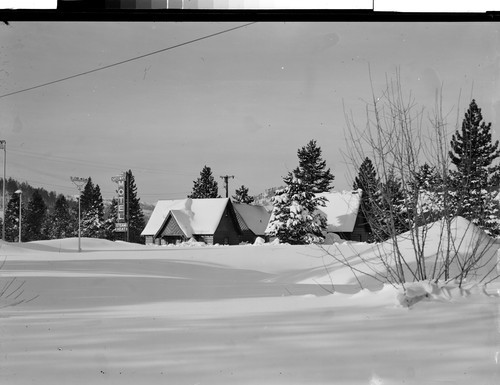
(426,194)
(92,211)
(473,153)
(12,219)
(205,186)
(242,195)
(368,182)
(110,221)
(36,213)
(395,211)
(388,213)
(312,169)
(60,223)
(87,196)
(295,219)
(134,211)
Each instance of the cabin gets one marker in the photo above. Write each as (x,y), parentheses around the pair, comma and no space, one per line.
(211,220)
(344,217)
(253,221)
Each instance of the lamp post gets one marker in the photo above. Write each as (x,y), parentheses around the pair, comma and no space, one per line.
(3,146)
(79,183)
(20,212)
(79,221)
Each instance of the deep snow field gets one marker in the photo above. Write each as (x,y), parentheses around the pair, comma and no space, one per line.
(129,314)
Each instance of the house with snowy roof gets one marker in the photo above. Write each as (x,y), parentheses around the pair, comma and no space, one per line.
(211,220)
(253,221)
(344,217)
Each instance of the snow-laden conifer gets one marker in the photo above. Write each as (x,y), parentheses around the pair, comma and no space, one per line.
(12,218)
(92,211)
(473,154)
(295,219)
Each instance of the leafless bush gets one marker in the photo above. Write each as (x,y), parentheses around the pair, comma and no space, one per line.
(12,291)
(399,137)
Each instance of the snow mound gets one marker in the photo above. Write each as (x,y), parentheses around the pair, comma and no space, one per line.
(191,242)
(259,241)
(366,264)
(69,245)
(415,292)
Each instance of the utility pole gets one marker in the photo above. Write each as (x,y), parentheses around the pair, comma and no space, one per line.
(226,182)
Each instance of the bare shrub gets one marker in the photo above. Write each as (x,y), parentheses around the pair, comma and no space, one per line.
(399,137)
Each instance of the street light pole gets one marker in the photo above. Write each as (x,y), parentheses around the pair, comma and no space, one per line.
(79,183)
(3,145)
(20,212)
(79,223)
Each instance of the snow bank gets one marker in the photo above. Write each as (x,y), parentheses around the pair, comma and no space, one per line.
(348,263)
(415,292)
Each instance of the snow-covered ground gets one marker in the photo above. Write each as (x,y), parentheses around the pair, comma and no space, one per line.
(129,314)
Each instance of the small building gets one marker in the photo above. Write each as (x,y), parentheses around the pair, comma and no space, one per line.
(253,221)
(344,216)
(211,220)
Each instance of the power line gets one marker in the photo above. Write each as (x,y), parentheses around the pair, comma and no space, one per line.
(127,60)
(63,159)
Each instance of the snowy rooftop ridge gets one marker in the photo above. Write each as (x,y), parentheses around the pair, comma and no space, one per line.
(255,217)
(195,216)
(341,209)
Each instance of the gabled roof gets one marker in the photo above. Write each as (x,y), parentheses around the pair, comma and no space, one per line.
(182,219)
(341,210)
(194,216)
(255,217)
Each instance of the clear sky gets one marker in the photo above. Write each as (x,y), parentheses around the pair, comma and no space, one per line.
(241,103)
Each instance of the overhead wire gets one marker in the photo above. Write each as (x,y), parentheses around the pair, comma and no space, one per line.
(127,60)
(65,159)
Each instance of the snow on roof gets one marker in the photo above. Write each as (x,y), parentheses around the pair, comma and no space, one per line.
(183,220)
(256,217)
(341,209)
(160,212)
(194,216)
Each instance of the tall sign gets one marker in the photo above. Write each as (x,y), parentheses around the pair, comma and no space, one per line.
(121,223)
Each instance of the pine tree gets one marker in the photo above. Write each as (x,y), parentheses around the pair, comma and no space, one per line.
(92,211)
(426,194)
(87,196)
(12,219)
(60,223)
(36,213)
(369,183)
(134,211)
(242,195)
(312,169)
(294,218)
(111,220)
(389,214)
(205,186)
(473,153)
